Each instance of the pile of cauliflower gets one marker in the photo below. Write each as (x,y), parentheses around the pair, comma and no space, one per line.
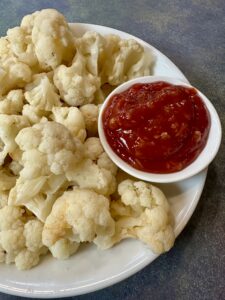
(58,188)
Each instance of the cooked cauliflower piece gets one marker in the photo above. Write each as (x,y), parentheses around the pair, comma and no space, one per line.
(48,151)
(41,93)
(39,194)
(143,213)
(90,113)
(53,146)
(72,119)
(79,215)
(34,115)
(92,46)
(27,22)
(52,38)
(12,103)
(63,248)
(89,175)
(106,163)
(76,85)
(20,238)
(13,74)
(93,148)
(10,125)
(5,50)
(21,45)
(124,60)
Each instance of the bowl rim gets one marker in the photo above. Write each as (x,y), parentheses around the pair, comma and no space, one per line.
(201,162)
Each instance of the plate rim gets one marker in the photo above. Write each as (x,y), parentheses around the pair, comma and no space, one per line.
(109,281)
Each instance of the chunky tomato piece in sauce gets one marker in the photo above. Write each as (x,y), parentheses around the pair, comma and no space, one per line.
(157,127)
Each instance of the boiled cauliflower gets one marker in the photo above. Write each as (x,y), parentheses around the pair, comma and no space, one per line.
(90,175)
(143,213)
(76,85)
(21,46)
(5,50)
(20,238)
(41,93)
(13,74)
(90,113)
(10,125)
(93,148)
(77,216)
(63,248)
(72,119)
(12,103)
(53,147)
(52,38)
(34,115)
(125,59)
(49,150)
(27,22)
(92,46)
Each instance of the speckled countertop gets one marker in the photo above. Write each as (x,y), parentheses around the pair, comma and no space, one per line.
(192,34)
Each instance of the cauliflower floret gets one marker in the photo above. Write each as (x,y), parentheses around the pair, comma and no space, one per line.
(89,175)
(20,238)
(26,259)
(63,248)
(72,119)
(52,38)
(92,45)
(21,45)
(49,150)
(79,215)
(12,103)
(34,115)
(27,22)
(93,148)
(11,217)
(90,113)
(33,235)
(76,85)
(10,125)
(5,50)
(142,213)
(53,144)
(105,162)
(41,93)
(125,59)
(13,74)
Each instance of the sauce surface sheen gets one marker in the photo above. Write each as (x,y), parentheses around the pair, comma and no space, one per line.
(157,127)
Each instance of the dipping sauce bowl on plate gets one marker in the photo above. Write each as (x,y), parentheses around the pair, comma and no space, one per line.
(159,129)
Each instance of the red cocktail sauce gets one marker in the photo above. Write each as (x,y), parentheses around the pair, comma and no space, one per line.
(157,127)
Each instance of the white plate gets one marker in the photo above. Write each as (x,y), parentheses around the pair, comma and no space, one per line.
(90,269)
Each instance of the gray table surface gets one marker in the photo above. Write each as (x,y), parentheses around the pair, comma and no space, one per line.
(192,34)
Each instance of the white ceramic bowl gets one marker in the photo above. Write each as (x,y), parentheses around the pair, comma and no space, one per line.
(201,162)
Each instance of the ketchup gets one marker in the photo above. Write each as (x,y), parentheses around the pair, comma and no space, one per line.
(157,127)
